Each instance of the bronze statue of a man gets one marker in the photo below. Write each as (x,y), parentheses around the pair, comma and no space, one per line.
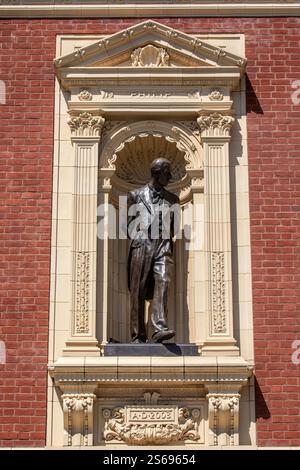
(152,210)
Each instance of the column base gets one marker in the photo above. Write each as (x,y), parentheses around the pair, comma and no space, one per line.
(82,347)
(220,347)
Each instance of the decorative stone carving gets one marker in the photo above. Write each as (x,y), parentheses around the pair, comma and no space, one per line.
(151,398)
(110,125)
(150,56)
(86,125)
(171,34)
(241,62)
(128,33)
(215,124)
(135,158)
(218,293)
(193,128)
(150,25)
(57,62)
(223,412)
(119,136)
(196,43)
(85,95)
(82,293)
(128,149)
(216,95)
(219,52)
(78,418)
(79,53)
(142,425)
(197,182)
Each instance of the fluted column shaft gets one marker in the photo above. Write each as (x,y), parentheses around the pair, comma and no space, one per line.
(215,134)
(85,135)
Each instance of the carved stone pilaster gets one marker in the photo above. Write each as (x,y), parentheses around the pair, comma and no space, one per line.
(85,134)
(105,176)
(78,419)
(215,135)
(223,411)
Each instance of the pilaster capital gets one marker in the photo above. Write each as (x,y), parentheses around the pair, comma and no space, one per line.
(223,401)
(215,125)
(78,401)
(85,124)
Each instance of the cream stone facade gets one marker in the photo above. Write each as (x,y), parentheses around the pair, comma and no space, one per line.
(122,100)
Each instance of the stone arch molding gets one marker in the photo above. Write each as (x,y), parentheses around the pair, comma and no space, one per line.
(186,139)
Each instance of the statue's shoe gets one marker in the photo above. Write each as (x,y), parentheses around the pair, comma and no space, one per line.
(138,341)
(163,335)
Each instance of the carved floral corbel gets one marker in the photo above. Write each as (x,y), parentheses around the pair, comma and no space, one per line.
(223,410)
(78,418)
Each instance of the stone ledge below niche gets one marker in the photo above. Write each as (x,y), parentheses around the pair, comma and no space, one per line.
(92,371)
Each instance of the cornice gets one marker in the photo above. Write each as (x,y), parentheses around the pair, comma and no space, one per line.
(134,9)
(184,370)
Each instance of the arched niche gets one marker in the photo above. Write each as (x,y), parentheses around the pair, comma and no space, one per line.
(126,153)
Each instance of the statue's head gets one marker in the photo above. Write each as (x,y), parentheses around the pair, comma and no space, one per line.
(161,171)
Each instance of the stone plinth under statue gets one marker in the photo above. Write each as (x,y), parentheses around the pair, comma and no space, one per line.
(150,349)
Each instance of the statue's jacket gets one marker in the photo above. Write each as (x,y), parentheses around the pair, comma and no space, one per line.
(144,215)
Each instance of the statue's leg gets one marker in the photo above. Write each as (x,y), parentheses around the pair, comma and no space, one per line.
(139,270)
(162,268)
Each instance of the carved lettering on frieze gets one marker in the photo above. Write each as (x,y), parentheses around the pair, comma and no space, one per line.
(106,94)
(147,94)
(151,415)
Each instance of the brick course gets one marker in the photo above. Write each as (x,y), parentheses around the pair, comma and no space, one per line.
(26,147)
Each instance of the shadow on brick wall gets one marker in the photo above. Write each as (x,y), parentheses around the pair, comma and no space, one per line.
(261,407)
(252,102)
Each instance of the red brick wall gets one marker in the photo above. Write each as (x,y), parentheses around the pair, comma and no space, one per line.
(26,128)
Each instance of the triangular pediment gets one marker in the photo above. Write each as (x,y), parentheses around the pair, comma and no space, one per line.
(149,44)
